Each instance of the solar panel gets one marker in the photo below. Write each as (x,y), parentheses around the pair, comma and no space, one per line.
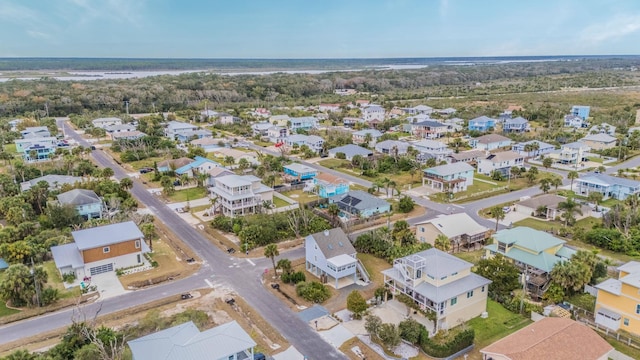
(350,200)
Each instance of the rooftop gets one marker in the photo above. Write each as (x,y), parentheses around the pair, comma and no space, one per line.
(106,235)
(449,169)
(503,156)
(78,197)
(491,138)
(333,243)
(601,137)
(300,168)
(359,200)
(351,150)
(456,224)
(608,180)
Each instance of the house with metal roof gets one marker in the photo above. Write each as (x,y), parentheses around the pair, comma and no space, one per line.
(300,171)
(240,195)
(441,283)
(618,298)
(600,141)
(452,178)
(534,252)
(188,135)
(313,142)
(261,128)
(199,165)
(461,230)
(490,142)
(360,204)
(515,125)
(54,181)
(419,109)
(609,186)
(101,249)
(500,161)
(431,149)
(127,135)
(360,137)
(330,256)
(603,128)
(185,341)
(36,148)
(35,132)
(104,122)
(349,151)
(482,124)
(86,202)
(174,128)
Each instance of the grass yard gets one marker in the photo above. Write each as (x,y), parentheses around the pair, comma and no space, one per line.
(279,202)
(55,281)
(623,348)
(168,265)
(300,196)
(500,323)
(137,165)
(10,148)
(374,265)
(262,143)
(336,164)
(188,194)
(470,256)
(4,310)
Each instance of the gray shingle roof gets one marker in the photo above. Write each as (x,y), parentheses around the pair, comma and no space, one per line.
(67,255)
(333,242)
(609,180)
(601,137)
(351,150)
(106,235)
(52,180)
(78,197)
(491,138)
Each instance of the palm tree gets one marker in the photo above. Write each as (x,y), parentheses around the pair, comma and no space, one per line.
(378,183)
(271,251)
(442,242)
(284,265)
(595,197)
(126,183)
(229,160)
(107,173)
(572,175)
(569,207)
(497,212)
(333,210)
(544,185)
(184,179)
(555,182)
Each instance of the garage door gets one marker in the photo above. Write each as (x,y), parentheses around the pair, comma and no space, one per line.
(101,269)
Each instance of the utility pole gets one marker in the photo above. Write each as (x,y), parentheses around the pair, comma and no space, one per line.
(35,282)
(126,104)
(46,108)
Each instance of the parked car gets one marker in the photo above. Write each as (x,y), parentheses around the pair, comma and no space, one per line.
(506,209)
(93,147)
(259,356)
(146,170)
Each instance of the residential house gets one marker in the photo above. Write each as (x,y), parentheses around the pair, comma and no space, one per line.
(349,151)
(112,129)
(240,195)
(313,142)
(372,112)
(280,120)
(441,283)
(550,338)
(581,111)
(392,147)
(446,112)
(490,142)
(429,129)
(36,149)
(603,128)
(420,109)
(35,132)
(534,252)
(304,123)
(208,143)
(54,181)
(216,173)
(261,128)
(517,125)
(185,341)
(633,129)
(86,202)
(261,113)
(532,148)
(277,134)
(482,124)
(128,135)
(570,154)
(327,185)
(101,249)
(13,124)
(361,137)
(360,204)
(174,128)
(609,186)
(189,135)
(431,149)
(547,206)
(362,103)
(300,172)
(419,118)
(330,256)
(224,152)
(618,300)
(459,228)
(471,157)
(200,165)
(600,141)
(335,108)
(104,122)
(501,161)
(226,119)
(208,114)
(575,122)
(351,121)
(454,124)
(452,178)
(173,164)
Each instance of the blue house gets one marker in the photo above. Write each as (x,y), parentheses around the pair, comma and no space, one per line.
(360,204)
(516,125)
(199,165)
(329,185)
(609,186)
(41,147)
(300,172)
(330,253)
(305,123)
(482,123)
(188,135)
(581,111)
(86,202)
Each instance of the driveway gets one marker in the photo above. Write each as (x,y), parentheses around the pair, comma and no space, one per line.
(108,285)
(290,354)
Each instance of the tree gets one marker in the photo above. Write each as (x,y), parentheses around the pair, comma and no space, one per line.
(167,185)
(149,232)
(19,285)
(442,242)
(406,204)
(497,212)
(372,324)
(333,210)
(503,274)
(229,160)
(243,164)
(574,274)
(126,183)
(555,182)
(531,176)
(107,173)
(271,251)
(569,207)
(544,185)
(547,162)
(572,175)
(410,330)
(389,335)
(285,266)
(595,197)
(356,304)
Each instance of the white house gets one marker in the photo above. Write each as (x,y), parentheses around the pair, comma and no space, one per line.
(261,128)
(329,108)
(490,142)
(314,142)
(277,134)
(304,123)
(360,137)
(430,129)
(451,177)
(573,153)
(533,148)
(603,128)
(420,109)
(240,195)
(432,149)
(392,147)
(372,112)
(350,150)
(35,132)
(104,122)
(175,128)
(575,122)
(501,161)
(461,230)
(330,254)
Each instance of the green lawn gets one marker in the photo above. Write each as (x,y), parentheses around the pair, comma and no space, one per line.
(333,163)
(145,163)
(623,348)
(10,148)
(471,256)
(55,281)
(262,143)
(300,196)
(188,194)
(500,323)
(279,202)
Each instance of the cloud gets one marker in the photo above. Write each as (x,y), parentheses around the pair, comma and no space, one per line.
(17,13)
(444,8)
(617,27)
(114,10)
(38,34)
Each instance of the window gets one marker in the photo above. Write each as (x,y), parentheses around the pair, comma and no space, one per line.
(444,277)
(469,294)
(106,249)
(422,229)
(454,301)
(626,321)
(454,274)
(502,247)
(638,309)
(137,244)
(315,258)
(483,289)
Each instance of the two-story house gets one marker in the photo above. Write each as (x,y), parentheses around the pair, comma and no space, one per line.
(304,123)
(516,125)
(532,148)
(36,149)
(313,142)
(618,300)
(372,112)
(440,283)
(200,165)
(452,178)
(482,124)
(240,195)
(261,128)
(86,202)
(580,111)
(280,120)
(501,161)
(470,156)
(360,204)
(299,171)
(189,135)
(104,122)
(461,230)
(432,149)
(570,154)
(277,134)
(599,141)
(368,137)
(603,128)
(490,142)
(327,185)
(330,255)
(55,182)
(575,122)
(326,108)
(35,132)
(392,147)
(101,249)
(429,129)
(609,186)
(174,128)
(534,252)
(112,129)
(420,109)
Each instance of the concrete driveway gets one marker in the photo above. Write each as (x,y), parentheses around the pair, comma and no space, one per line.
(108,285)
(337,335)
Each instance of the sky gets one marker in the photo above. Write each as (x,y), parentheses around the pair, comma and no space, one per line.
(317,28)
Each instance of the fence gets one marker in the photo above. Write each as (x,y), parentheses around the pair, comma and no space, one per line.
(623,338)
(591,290)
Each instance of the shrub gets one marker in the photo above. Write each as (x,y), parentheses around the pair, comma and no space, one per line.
(406,204)
(68,277)
(462,340)
(49,296)
(341,156)
(356,304)
(410,330)
(381,292)
(293,278)
(313,291)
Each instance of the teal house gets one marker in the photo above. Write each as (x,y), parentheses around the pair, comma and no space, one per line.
(328,185)
(300,171)
(87,203)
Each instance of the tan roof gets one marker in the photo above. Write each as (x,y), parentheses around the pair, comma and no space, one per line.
(177,163)
(504,156)
(547,200)
(219,171)
(515,108)
(329,178)
(491,138)
(207,141)
(470,154)
(236,154)
(551,338)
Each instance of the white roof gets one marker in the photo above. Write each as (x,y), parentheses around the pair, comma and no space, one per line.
(342,260)
(106,235)
(456,224)
(233,180)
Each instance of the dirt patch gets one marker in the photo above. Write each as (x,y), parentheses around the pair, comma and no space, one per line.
(170,267)
(364,350)
(223,242)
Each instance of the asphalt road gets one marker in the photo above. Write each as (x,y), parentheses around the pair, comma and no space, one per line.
(218,269)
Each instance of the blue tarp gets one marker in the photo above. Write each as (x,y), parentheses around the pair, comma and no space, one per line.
(3,264)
